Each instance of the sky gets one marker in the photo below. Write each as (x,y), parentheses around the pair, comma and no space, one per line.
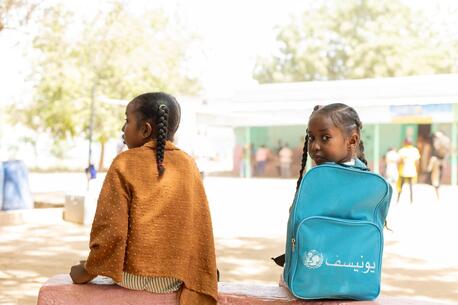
(233,34)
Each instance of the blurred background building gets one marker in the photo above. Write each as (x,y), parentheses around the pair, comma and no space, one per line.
(391,109)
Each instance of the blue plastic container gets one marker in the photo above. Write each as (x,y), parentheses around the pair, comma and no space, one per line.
(16,190)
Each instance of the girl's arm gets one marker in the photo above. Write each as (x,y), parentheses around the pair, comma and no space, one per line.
(109,229)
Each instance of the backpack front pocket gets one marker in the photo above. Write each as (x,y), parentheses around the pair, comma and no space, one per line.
(336,258)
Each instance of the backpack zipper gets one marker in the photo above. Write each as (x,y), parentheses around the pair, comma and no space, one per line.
(293,244)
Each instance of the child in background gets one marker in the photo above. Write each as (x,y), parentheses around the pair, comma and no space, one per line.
(435,171)
(408,158)
(152,229)
(391,165)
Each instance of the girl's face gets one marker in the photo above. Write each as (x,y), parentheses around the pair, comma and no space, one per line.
(133,135)
(327,143)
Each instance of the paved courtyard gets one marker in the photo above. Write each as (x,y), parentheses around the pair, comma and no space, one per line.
(249,216)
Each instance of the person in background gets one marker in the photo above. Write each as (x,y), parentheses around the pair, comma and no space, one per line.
(261,159)
(435,172)
(441,149)
(391,165)
(277,157)
(286,158)
(408,156)
(238,160)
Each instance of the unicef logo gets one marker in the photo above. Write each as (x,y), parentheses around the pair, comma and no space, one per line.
(313,259)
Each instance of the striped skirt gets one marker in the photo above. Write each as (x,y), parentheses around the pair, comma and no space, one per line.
(151,284)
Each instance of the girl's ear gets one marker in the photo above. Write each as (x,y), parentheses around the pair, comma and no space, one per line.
(353,141)
(147,130)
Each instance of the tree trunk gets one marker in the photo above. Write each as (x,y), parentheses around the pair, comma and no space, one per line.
(102,156)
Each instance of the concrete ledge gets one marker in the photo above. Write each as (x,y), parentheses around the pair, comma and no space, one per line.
(48,200)
(59,290)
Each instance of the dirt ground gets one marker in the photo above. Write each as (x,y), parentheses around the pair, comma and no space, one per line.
(420,258)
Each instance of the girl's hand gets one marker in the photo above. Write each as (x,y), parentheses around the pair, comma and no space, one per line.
(80,275)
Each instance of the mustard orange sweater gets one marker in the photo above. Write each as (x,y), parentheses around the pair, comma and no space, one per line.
(152,226)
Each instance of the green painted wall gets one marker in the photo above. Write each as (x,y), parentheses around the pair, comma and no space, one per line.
(444,127)
(391,135)
(409,130)
(269,136)
(260,136)
(367,137)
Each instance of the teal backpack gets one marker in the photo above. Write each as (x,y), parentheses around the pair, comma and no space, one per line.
(334,242)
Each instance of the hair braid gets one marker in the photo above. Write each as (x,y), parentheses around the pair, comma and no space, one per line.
(360,154)
(162,127)
(305,152)
(303,162)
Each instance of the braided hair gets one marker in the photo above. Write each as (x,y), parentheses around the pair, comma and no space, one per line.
(343,117)
(161,124)
(163,112)
(303,161)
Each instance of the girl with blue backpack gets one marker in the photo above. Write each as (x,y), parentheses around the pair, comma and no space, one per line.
(333,135)
(334,241)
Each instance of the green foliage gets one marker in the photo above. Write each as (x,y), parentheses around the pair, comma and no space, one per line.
(114,55)
(356,39)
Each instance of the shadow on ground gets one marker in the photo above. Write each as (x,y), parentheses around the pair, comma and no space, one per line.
(32,253)
(247,259)
(414,277)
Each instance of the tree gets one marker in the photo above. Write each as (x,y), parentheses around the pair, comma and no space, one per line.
(115,54)
(356,39)
(14,13)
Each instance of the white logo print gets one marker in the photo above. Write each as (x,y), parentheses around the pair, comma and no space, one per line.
(313,259)
(365,267)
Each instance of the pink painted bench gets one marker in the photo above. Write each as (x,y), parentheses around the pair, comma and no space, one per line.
(59,290)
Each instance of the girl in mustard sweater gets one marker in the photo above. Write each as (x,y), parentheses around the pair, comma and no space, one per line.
(152,228)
